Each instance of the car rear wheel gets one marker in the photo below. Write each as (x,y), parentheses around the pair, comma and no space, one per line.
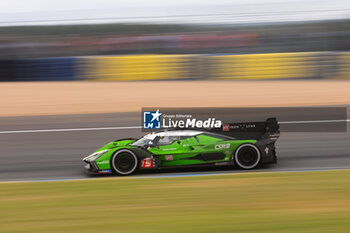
(124,162)
(247,156)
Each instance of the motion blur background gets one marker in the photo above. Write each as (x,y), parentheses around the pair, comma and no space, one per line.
(47,127)
(157,40)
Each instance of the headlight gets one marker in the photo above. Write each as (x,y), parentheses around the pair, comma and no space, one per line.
(95,155)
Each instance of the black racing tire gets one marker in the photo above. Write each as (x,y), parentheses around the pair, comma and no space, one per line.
(124,162)
(247,156)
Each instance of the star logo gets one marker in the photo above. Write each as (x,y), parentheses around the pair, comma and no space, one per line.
(156,115)
(152,119)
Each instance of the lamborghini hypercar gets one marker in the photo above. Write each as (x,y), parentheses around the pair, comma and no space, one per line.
(245,145)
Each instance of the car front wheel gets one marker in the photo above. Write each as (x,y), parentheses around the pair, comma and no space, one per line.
(124,162)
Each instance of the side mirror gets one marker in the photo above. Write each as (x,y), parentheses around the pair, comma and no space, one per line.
(151,144)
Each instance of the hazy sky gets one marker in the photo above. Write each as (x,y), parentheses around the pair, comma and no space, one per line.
(240,11)
(61,5)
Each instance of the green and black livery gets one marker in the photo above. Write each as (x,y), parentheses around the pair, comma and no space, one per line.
(245,145)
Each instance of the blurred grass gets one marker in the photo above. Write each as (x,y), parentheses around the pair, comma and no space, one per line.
(264,202)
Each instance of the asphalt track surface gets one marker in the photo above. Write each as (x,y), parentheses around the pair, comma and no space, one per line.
(51,155)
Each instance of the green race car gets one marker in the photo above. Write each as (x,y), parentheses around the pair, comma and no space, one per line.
(246,145)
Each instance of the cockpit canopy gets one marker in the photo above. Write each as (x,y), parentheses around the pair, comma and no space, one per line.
(161,138)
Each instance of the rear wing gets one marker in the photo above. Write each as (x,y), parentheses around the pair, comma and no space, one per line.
(268,129)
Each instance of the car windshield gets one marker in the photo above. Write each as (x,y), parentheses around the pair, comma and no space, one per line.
(165,138)
(144,140)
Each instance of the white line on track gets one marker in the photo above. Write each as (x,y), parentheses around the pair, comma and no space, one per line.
(67,130)
(139,127)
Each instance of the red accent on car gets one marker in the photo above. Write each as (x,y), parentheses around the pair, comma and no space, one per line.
(169,157)
(226,127)
(147,163)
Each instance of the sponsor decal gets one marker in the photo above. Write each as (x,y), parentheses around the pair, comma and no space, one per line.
(169,149)
(169,157)
(147,163)
(151,120)
(103,162)
(222,163)
(222,146)
(243,126)
(266,150)
(106,171)
(226,127)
